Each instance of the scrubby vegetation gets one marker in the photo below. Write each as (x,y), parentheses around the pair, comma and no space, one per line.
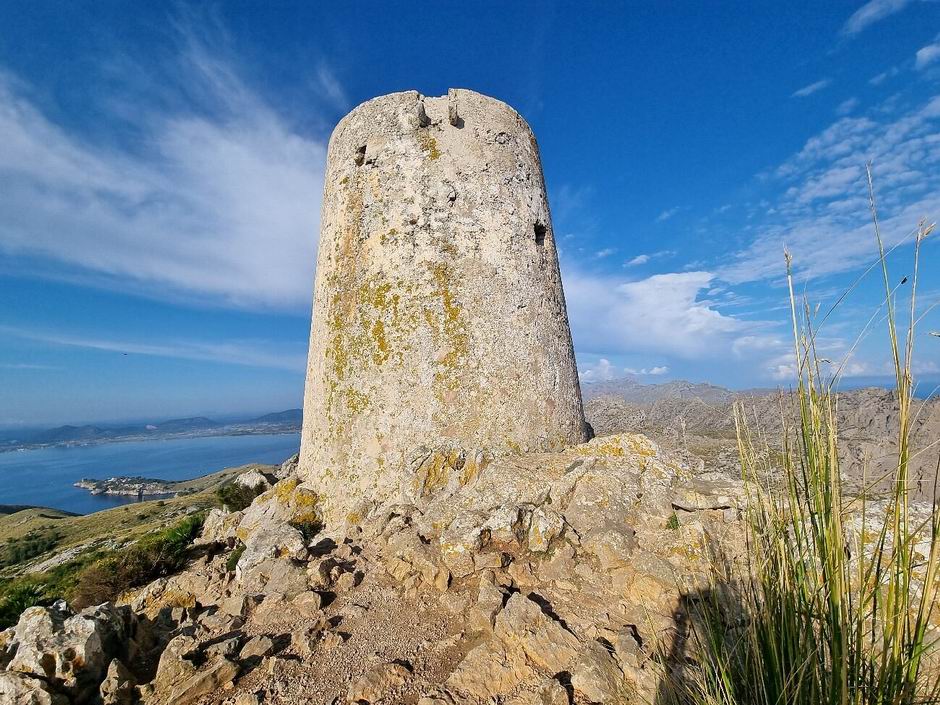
(99,576)
(34,543)
(235,497)
(835,602)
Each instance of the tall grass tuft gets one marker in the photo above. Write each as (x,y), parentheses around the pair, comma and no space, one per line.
(835,605)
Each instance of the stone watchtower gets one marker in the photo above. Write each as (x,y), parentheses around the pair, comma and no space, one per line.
(439,319)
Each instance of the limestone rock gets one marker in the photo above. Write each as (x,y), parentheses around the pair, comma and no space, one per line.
(378,682)
(73,649)
(21,689)
(287,468)
(285,504)
(489,602)
(254,479)
(545,642)
(7,646)
(219,527)
(207,679)
(176,662)
(118,686)
(256,648)
(308,601)
(597,676)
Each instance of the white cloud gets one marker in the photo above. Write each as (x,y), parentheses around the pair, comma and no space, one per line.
(600,371)
(249,353)
(927,56)
(872,12)
(811,88)
(638,260)
(606,252)
(660,314)
(654,371)
(667,214)
(26,366)
(644,258)
(217,205)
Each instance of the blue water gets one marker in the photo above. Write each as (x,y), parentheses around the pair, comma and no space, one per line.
(44,477)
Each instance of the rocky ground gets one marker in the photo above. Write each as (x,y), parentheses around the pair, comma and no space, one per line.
(539,578)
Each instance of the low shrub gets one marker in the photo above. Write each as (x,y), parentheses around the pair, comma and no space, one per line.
(152,557)
(233,558)
(235,497)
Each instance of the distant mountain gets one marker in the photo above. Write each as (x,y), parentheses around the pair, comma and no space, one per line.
(280,417)
(632,391)
(288,420)
(191,424)
(69,434)
(700,418)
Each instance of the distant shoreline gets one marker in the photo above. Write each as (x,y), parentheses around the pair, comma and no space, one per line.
(207,433)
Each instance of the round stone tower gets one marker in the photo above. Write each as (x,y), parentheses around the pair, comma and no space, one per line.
(439,322)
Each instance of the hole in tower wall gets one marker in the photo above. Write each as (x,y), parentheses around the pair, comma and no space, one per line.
(540,231)
(360,156)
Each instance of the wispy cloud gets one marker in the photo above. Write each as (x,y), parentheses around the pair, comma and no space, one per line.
(667,214)
(884,76)
(927,56)
(249,353)
(811,88)
(217,202)
(606,252)
(332,89)
(645,258)
(872,12)
(26,366)
(847,106)
(822,216)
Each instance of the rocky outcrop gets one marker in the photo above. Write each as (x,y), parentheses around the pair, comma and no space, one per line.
(539,578)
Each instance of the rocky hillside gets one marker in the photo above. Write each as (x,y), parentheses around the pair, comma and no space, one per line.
(700,419)
(538,578)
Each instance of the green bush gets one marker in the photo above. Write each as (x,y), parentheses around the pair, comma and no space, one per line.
(154,556)
(35,543)
(233,558)
(235,497)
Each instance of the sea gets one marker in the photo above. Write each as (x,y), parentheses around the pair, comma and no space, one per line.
(44,477)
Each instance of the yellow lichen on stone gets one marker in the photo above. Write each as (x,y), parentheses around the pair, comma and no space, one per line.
(429,145)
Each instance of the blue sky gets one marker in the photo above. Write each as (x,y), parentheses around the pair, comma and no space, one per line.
(161,174)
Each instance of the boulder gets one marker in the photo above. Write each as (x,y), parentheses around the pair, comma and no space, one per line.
(73,650)
(118,686)
(256,648)
(177,662)
(377,683)
(489,602)
(207,679)
(219,527)
(546,643)
(255,480)
(597,676)
(21,689)
(288,467)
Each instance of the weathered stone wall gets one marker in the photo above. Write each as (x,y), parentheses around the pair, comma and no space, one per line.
(439,318)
